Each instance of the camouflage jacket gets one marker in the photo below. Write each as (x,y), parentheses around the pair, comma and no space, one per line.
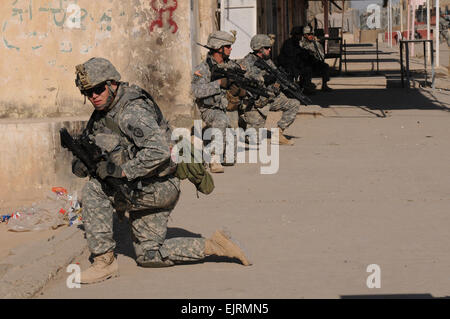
(252,71)
(133,133)
(208,94)
(314,47)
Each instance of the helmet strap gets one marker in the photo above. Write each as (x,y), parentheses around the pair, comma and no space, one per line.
(111,95)
(220,53)
(225,57)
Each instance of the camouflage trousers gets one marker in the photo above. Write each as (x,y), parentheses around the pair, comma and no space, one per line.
(148,224)
(256,118)
(216,118)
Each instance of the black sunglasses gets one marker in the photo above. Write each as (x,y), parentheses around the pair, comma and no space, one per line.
(267,48)
(227,46)
(99,89)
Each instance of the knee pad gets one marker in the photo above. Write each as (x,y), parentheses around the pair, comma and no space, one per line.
(153,259)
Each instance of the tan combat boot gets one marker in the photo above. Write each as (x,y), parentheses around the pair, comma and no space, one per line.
(104,267)
(215,166)
(282,140)
(221,245)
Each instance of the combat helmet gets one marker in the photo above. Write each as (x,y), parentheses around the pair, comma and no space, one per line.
(218,39)
(308,30)
(297,30)
(95,71)
(260,41)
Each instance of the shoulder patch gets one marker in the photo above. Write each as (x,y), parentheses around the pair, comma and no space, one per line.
(138,132)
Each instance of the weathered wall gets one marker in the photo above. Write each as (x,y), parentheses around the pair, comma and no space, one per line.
(32,159)
(43,40)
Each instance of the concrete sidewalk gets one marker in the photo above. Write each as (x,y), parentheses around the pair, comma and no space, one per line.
(30,267)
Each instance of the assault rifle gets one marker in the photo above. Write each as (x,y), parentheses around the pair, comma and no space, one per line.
(291,89)
(236,75)
(90,154)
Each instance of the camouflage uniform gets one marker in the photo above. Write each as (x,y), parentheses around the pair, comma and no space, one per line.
(444,33)
(210,97)
(314,60)
(256,117)
(136,137)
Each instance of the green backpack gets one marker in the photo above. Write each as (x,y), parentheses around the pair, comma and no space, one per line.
(196,173)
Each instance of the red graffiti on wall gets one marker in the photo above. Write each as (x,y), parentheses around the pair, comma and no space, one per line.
(164,7)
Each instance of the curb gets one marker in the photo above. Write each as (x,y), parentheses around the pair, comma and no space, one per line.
(29,268)
(311,114)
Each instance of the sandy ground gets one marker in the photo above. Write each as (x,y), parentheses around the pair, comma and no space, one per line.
(356,189)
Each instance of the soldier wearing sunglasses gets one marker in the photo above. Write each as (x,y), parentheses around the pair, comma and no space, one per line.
(215,96)
(255,117)
(134,137)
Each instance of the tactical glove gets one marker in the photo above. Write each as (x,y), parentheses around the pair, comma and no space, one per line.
(225,83)
(233,101)
(234,89)
(276,88)
(242,93)
(105,169)
(79,169)
(237,91)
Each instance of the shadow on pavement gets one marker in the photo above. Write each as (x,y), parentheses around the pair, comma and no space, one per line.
(124,243)
(380,99)
(122,236)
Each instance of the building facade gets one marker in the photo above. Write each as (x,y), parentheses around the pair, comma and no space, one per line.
(149,41)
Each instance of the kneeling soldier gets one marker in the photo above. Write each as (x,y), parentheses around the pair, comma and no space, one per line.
(134,139)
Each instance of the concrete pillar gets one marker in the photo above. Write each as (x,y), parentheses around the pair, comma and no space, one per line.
(207,22)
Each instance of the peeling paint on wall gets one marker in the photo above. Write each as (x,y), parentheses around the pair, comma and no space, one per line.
(60,15)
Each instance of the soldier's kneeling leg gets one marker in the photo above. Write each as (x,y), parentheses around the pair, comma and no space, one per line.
(149,233)
(153,259)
